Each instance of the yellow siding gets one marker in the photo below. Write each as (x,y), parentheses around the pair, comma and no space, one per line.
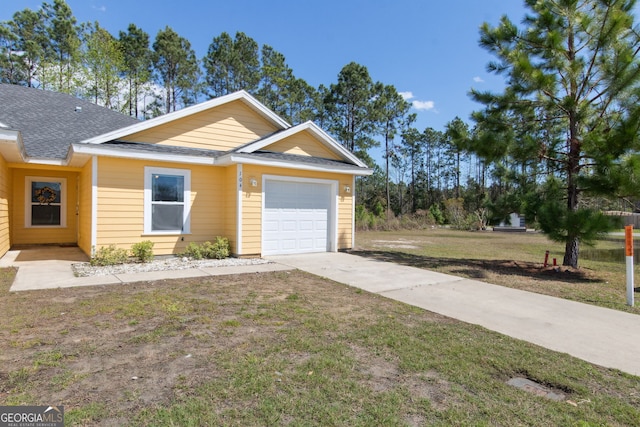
(303,144)
(225,127)
(120,210)
(85,208)
(5,192)
(252,205)
(230,199)
(21,234)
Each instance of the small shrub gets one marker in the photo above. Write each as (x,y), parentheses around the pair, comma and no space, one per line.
(143,250)
(437,214)
(366,220)
(193,250)
(457,217)
(109,255)
(219,249)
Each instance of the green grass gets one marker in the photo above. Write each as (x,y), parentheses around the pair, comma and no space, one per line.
(508,259)
(450,373)
(283,349)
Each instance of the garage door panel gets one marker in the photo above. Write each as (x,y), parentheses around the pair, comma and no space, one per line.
(288,244)
(305,225)
(269,246)
(296,217)
(305,244)
(289,225)
(270,226)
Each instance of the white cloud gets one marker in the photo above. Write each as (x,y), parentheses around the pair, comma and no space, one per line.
(406,95)
(418,105)
(424,105)
(100,8)
(478,79)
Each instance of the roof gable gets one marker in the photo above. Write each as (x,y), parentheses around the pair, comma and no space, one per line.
(178,118)
(303,143)
(224,127)
(298,140)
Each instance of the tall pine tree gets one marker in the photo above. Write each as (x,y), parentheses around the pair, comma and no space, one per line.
(349,106)
(176,67)
(137,65)
(62,55)
(574,67)
(232,64)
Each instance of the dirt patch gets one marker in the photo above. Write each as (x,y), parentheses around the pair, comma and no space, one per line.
(147,344)
(396,244)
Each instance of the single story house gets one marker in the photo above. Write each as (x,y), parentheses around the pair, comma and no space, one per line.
(75,173)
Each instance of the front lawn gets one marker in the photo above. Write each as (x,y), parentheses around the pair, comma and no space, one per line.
(284,348)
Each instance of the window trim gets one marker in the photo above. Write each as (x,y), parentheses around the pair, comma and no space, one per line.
(149,171)
(29,180)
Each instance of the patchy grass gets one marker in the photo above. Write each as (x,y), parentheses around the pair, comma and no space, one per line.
(284,348)
(509,259)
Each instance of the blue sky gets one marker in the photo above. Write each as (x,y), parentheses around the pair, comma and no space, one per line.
(426,48)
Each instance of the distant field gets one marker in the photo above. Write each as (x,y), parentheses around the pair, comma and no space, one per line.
(510,259)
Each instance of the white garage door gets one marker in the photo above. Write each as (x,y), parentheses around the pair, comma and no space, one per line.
(296,217)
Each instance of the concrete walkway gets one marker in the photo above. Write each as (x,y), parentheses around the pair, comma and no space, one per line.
(50,267)
(598,335)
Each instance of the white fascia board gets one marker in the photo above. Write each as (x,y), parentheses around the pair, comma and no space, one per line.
(230,159)
(45,161)
(324,137)
(138,155)
(194,109)
(9,135)
(12,146)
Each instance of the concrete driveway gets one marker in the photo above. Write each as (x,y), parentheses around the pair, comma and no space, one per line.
(598,335)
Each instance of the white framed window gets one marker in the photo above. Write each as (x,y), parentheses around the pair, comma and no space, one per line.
(45,202)
(167,196)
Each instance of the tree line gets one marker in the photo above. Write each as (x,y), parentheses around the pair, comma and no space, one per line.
(132,73)
(558,145)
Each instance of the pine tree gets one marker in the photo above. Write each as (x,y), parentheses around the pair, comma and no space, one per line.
(350,109)
(137,64)
(103,60)
(23,43)
(276,77)
(232,65)
(63,50)
(573,67)
(391,112)
(177,68)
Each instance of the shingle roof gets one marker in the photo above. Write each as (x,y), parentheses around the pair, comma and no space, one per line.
(162,149)
(317,161)
(50,121)
(199,152)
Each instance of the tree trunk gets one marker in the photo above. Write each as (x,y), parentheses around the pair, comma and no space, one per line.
(571,252)
(457,174)
(573,169)
(386,150)
(413,180)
